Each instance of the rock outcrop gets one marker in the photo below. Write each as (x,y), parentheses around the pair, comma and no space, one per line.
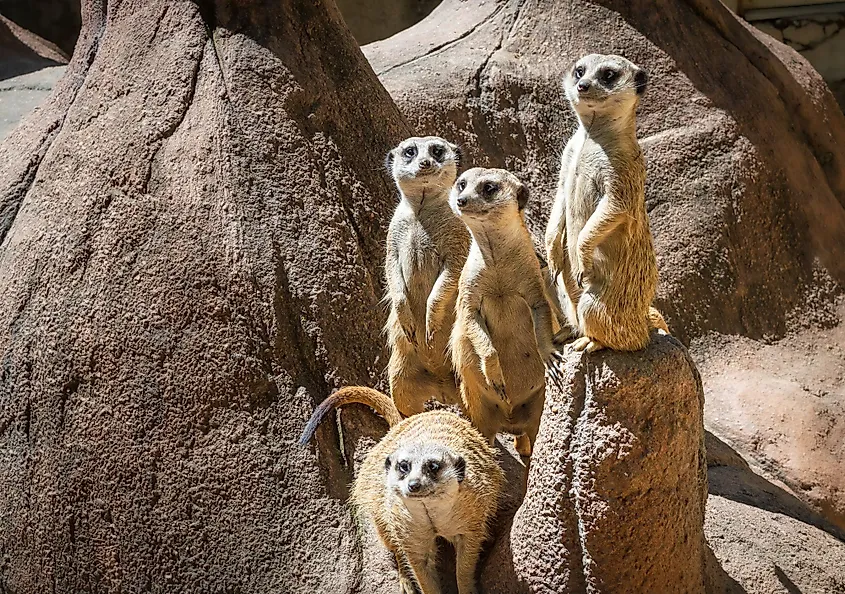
(191,257)
(618,481)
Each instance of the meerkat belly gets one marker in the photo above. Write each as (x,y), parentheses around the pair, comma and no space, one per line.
(435,516)
(509,320)
(420,269)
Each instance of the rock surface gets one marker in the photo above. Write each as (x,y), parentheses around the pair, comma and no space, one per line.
(190,259)
(617,484)
(762,538)
(745,186)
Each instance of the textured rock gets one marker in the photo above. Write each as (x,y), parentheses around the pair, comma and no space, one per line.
(190,258)
(56,20)
(617,484)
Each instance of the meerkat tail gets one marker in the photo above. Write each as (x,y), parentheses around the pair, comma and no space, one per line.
(379,402)
(656,321)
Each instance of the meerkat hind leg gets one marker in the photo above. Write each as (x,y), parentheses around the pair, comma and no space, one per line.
(522,444)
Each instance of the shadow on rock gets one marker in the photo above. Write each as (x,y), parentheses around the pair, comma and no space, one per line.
(730,476)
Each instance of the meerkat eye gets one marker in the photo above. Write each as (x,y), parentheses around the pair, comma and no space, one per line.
(410,152)
(432,467)
(608,76)
(490,188)
(462,184)
(403,467)
(579,71)
(437,151)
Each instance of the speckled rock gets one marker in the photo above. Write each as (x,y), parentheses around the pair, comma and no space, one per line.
(617,484)
(190,259)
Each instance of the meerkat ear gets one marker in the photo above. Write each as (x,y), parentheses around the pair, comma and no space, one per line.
(459,154)
(388,162)
(522,197)
(640,81)
(460,468)
(387,463)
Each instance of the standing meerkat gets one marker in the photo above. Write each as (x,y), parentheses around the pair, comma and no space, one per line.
(502,341)
(598,241)
(427,245)
(432,475)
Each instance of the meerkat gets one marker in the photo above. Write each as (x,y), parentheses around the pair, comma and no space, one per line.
(427,245)
(432,475)
(503,338)
(598,241)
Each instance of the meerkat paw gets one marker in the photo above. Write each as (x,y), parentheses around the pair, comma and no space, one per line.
(430,331)
(585,343)
(492,371)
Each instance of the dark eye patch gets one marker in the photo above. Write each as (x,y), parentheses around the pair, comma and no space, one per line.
(432,467)
(608,75)
(437,151)
(462,184)
(410,152)
(578,72)
(489,189)
(403,467)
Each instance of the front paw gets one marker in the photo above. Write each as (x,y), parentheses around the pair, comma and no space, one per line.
(431,330)
(584,276)
(406,322)
(553,361)
(492,371)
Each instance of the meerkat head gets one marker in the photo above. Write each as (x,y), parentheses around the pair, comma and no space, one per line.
(482,194)
(420,470)
(598,83)
(424,165)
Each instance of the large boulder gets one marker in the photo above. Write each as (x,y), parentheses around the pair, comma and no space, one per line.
(617,483)
(191,254)
(745,186)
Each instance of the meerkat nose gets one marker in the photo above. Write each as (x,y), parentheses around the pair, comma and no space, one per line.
(425,164)
(583,86)
(462,201)
(414,485)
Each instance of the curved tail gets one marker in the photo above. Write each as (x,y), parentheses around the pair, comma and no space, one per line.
(656,321)
(379,402)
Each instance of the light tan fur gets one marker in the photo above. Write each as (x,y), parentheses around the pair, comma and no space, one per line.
(461,513)
(503,337)
(426,248)
(598,241)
